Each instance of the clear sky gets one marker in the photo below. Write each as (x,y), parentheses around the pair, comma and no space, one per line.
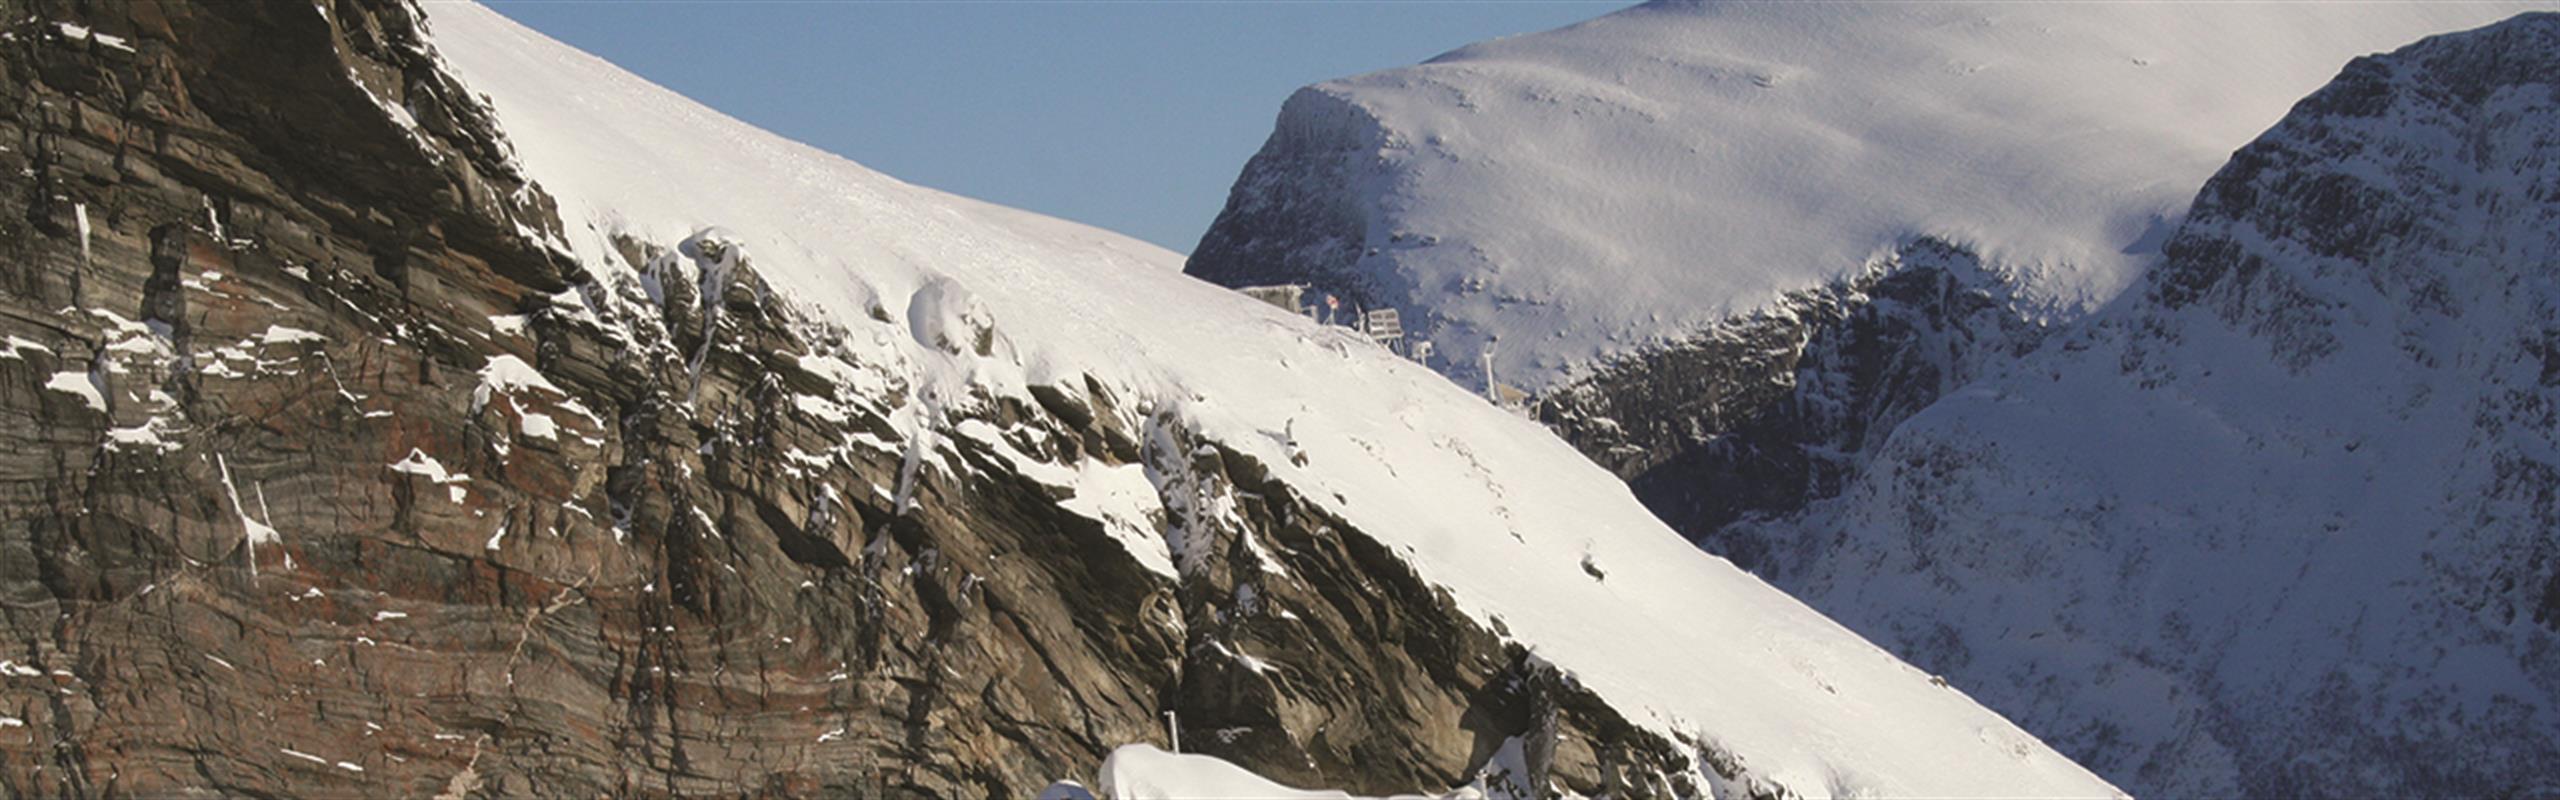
(1133,116)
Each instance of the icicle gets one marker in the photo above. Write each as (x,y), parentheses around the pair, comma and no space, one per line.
(81,212)
(257,531)
(213,220)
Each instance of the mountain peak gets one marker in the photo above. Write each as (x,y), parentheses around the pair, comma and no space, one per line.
(1594,192)
(2293,502)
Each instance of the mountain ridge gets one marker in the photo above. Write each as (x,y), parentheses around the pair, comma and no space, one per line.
(1886,443)
(1428,435)
(398,402)
(1636,179)
(2327,416)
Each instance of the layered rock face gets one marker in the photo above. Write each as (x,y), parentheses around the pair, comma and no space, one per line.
(325,472)
(1763,414)
(1287,476)
(2282,523)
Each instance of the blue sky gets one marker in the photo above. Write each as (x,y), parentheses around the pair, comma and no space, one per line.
(1133,116)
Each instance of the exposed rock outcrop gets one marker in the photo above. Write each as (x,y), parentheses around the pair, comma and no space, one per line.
(1295,215)
(2277,522)
(1667,225)
(2281,523)
(1763,414)
(1756,415)
(326,472)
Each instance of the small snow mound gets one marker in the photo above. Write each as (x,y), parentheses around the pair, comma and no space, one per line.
(77,32)
(1142,772)
(143,436)
(538,425)
(946,316)
(285,334)
(715,244)
(80,384)
(419,463)
(509,324)
(505,373)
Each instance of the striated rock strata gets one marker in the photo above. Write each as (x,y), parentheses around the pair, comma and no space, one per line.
(325,473)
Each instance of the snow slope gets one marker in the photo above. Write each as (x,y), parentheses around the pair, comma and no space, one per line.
(1483,503)
(1142,772)
(1587,191)
(2282,522)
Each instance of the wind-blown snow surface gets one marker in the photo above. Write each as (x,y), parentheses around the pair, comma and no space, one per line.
(1587,191)
(2285,523)
(1483,503)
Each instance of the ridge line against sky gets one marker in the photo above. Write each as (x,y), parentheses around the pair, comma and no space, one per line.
(1131,116)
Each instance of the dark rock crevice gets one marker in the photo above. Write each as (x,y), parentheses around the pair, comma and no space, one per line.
(1767,413)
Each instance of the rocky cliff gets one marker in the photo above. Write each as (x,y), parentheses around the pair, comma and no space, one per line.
(2269,523)
(327,474)
(1726,247)
(1762,414)
(344,456)
(2281,523)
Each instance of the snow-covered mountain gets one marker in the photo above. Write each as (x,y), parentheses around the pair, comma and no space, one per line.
(1525,537)
(2275,521)
(1723,245)
(1641,178)
(396,402)
(2286,520)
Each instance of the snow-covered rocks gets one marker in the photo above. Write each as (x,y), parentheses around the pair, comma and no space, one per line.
(1589,192)
(1664,215)
(82,384)
(945,316)
(1374,470)
(418,463)
(2281,521)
